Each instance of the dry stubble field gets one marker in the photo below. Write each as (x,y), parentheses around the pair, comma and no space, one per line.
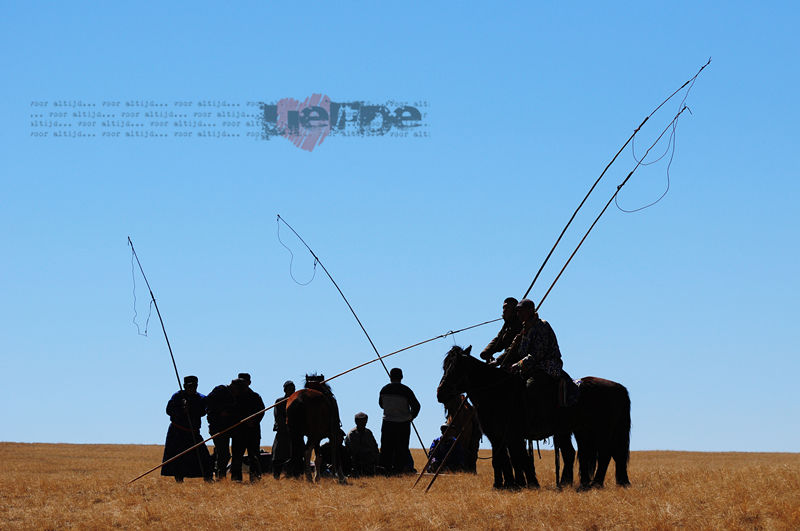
(57,486)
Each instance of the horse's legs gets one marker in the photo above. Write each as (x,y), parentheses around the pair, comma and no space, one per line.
(336,457)
(563,443)
(317,462)
(525,472)
(621,466)
(501,466)
(517,458)
(603,458)
(508,470)
(307,460)
(497,467)
(296,453)
(587,458)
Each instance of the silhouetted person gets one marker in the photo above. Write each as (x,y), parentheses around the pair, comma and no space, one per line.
(440,448)
(511,327)
(540,359)
(222,414)
(185,409)
(362,448)
(400,407)
(281,447)
(246,436)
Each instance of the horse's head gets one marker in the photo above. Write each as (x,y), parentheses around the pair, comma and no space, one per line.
(317,382)
(454,380)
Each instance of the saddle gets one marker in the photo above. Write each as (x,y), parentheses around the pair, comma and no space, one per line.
(546,402)
(568,390)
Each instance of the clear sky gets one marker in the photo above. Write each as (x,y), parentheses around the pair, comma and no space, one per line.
(692,303)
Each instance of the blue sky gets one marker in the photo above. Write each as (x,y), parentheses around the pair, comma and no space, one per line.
(690,304)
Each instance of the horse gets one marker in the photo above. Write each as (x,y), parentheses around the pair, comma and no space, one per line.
(600,421)
(312,413)
(503,426)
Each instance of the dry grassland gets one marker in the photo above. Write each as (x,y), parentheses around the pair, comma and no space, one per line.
(47,486)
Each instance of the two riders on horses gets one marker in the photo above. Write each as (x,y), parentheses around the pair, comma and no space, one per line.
(531,350)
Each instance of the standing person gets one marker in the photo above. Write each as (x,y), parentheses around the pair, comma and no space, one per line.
(362,448)
(281,446)
(400,407)
(246,436)
(185,409)
(221,408)
(511,327)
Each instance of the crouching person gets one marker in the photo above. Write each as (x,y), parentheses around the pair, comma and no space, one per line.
(362,447)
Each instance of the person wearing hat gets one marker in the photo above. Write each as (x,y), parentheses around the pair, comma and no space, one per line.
(400,407)
(362,448)
(282,445)
(511,327)
(540,359)
(185,409)
(246,436)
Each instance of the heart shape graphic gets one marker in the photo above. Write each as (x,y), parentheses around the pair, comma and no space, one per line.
(305,124)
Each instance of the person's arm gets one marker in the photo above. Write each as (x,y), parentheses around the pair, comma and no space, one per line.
(493,347)
(258,405)
(175,405)
(413,404)
(507,358)
(371,442)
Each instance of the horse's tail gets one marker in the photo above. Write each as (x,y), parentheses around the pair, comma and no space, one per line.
(622,433)
(621,445)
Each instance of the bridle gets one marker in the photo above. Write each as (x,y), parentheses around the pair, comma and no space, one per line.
(464,380)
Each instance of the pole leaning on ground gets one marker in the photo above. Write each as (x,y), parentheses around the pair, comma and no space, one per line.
(374,348)
(169,347)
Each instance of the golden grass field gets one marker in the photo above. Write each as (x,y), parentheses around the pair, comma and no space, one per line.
(58,486)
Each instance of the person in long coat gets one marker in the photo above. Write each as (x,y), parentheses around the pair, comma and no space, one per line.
(185,410)
(281,447)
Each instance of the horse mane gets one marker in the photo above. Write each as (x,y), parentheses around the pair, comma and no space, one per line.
(491,374)
(452,353)
(317,382)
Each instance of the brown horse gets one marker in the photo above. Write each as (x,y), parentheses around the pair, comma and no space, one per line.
(600,420)
(312,413)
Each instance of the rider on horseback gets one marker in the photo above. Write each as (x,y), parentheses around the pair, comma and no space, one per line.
(540,361)
(510,329)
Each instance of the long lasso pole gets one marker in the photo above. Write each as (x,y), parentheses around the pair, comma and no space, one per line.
(619,187)
(372,344)
(155,304)
(630,138)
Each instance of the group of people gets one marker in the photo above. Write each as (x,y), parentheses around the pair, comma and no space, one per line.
(227,407)
(529,347)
